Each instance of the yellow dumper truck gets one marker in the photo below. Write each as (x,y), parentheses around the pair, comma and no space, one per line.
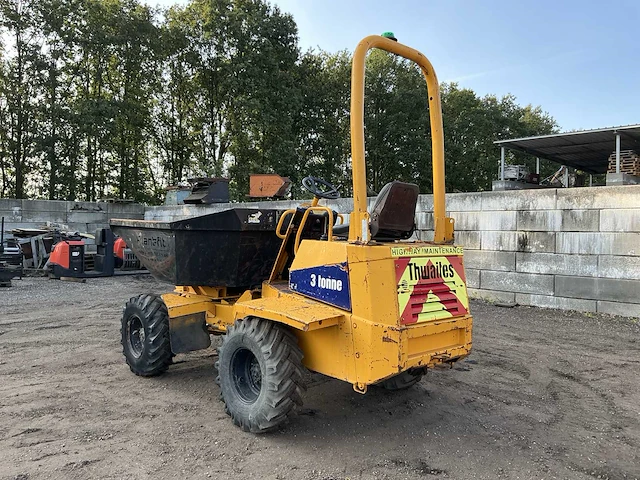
(300,288)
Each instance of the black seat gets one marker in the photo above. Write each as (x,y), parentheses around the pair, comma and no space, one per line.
(393,213)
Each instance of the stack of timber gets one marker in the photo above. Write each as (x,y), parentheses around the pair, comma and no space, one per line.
(629,162)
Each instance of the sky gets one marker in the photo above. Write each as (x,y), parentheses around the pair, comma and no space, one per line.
(578,60)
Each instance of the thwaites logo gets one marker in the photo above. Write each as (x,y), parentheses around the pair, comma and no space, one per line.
(327,283)
(431,270)
(430,288)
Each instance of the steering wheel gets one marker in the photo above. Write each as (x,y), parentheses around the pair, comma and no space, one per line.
(314,184)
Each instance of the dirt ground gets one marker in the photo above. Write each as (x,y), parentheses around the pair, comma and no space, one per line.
(545,394)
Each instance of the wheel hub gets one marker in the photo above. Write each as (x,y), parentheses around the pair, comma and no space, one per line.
(246,375)
(136,336)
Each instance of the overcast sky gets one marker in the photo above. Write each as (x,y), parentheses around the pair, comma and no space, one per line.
(579,60)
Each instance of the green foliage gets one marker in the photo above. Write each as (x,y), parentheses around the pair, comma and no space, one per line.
(108,98)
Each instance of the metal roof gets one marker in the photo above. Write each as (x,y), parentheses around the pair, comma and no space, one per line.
(586,150)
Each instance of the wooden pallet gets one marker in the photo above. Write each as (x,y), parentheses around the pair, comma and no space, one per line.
(629,162)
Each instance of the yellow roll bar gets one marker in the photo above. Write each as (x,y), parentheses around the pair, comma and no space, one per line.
(359,220)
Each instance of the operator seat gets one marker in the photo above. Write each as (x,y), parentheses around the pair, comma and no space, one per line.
(393,213)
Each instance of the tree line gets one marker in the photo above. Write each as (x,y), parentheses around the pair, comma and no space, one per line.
(111,98)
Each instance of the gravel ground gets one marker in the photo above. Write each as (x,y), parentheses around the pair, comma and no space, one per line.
(545,394)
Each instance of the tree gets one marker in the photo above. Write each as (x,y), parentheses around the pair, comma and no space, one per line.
(110,98)
(18,95)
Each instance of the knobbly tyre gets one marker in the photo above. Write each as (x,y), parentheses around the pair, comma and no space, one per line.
(291,289)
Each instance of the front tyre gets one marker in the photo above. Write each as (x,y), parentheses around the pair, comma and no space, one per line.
(145,335)
(260,374)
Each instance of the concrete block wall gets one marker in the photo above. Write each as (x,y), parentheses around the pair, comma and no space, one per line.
(576,249)
(79,216)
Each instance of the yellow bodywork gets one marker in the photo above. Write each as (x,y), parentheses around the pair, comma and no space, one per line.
(361,346)
(408,305)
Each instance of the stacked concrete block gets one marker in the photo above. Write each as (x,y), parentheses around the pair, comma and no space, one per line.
(575,249)
(78,216)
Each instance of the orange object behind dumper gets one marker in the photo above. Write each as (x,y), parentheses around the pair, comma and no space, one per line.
(119,247)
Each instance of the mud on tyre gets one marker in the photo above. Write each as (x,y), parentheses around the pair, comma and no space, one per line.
(145,335)
(259,374)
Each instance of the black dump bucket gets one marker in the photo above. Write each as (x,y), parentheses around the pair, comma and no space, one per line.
(233,248)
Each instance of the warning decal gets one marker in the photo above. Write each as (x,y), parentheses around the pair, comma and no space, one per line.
(430,288)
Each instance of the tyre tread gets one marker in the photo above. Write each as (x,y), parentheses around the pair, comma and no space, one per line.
(157,355)
(282,359)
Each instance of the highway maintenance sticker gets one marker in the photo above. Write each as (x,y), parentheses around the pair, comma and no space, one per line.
(430,287)
(428,250)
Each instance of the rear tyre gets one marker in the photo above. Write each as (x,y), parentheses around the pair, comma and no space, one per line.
(145,335)
(260,374)
(403,380)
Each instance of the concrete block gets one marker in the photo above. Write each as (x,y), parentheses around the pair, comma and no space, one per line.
(464,202)
(469,240)
(613,266)
(42,217)
(87,217)
(499,241)
(519,200)
(80,227)
(598,243)
(616,290)
(559,220)
(11,209)
(425,235)
(43,211)
(627,196)
(124,208)
(492,296)
(622,179)
(490,260)
(424,221)
(517,282)
(425,203)
(557,264)
(87,206)
(547,301)
(473,277)
(519,241)
(341,205)
(501,221)
(622,220)
(8,204)
(168,213)
(618,308)
(539,221)
(536,242)
(44,206)
(580,220)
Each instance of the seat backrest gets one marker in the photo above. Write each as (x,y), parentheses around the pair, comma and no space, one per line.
(393,213)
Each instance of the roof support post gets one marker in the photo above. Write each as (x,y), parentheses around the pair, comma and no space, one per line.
(501,163)
(591,180)
(565,177)
(538,165)
(617,152)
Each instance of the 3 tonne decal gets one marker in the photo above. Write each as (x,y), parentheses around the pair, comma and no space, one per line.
(327,283)
(430,287)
